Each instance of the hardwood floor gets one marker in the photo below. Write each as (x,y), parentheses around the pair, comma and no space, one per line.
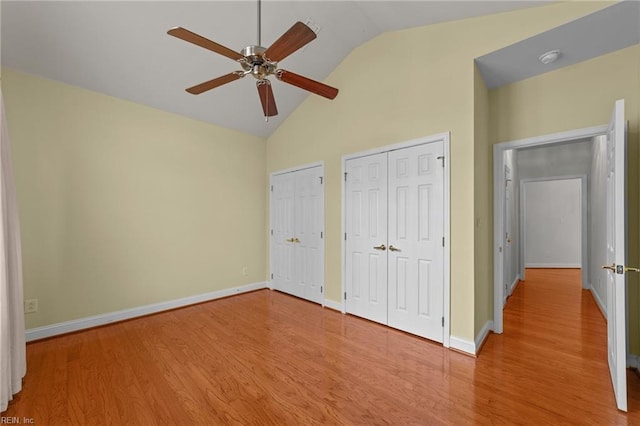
(268,358)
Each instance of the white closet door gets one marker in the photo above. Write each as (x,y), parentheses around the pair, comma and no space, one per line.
(416,231)
(366,227)
(308,228)
(297,224)
(282,245)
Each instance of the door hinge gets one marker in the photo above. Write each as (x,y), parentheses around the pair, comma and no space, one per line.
(345,295)
(441,157)
(442,241)
(321,288)
(271,188)
(272,232)
(345,236)
(443,321)
(321,234)
(321,180)
(271,276)
(345,176)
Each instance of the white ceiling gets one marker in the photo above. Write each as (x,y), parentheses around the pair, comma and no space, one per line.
(605,31)
(122,49)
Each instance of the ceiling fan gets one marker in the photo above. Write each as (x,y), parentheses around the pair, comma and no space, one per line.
(261,63)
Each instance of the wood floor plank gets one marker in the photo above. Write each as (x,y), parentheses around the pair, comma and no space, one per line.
(268,358)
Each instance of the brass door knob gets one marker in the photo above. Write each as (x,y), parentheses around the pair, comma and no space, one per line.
(380,247)
(290,240)
(611,267)
(630,269)
(392,248)
(295,240)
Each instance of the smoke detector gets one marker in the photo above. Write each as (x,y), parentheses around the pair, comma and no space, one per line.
(549,57)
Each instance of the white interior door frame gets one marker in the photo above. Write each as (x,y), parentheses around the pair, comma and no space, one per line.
(584,249)
(445,138)
(499,199)
(272,217)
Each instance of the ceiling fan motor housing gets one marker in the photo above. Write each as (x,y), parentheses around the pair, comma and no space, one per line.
(255,62)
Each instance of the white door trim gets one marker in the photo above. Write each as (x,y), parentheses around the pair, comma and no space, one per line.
(297,168)
(498,201)
(445,138)
(271,217)
(584,255)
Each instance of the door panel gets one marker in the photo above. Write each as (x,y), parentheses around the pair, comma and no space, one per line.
(297,210)
(416,229)
(616,254)
(366,227)
(282,224)
(308,240)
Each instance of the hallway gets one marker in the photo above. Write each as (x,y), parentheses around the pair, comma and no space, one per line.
(553,353)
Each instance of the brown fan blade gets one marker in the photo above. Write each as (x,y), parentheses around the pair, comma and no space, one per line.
(216,82)
(296,37)
(266,98)
(307,84)
(196,39)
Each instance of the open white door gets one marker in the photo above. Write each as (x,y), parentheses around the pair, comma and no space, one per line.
(616,255)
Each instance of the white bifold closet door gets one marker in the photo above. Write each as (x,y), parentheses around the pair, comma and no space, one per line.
(297,218)
(394,247)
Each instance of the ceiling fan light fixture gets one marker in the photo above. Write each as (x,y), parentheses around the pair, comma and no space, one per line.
(549,57)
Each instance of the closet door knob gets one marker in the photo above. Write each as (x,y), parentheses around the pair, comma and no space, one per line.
(392,248)
(380,247)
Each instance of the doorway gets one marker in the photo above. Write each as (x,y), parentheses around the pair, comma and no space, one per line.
(553,224)
(609,157)
(503,152)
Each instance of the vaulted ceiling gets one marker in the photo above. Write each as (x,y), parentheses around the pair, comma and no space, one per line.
(122,48)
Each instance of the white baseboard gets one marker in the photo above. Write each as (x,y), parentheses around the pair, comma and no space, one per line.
(484,333)
(103,319)
(514,284)
(462,345)
(553,265)
(336,306)
(468,347)
(599,301)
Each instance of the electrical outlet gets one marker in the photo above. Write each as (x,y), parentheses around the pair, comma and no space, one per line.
(30,306)
(245,271)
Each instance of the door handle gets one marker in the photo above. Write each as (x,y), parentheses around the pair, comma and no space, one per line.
(611,267)
(630,269)
(380,247)
(392,248)
(290,240)
(295,240)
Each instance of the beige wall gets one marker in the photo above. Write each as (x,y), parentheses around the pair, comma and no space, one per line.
(404,85)
(144,206)
(122,205)
(575,97)
(483,205)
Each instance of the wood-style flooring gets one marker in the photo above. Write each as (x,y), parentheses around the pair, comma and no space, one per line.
(268,358)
